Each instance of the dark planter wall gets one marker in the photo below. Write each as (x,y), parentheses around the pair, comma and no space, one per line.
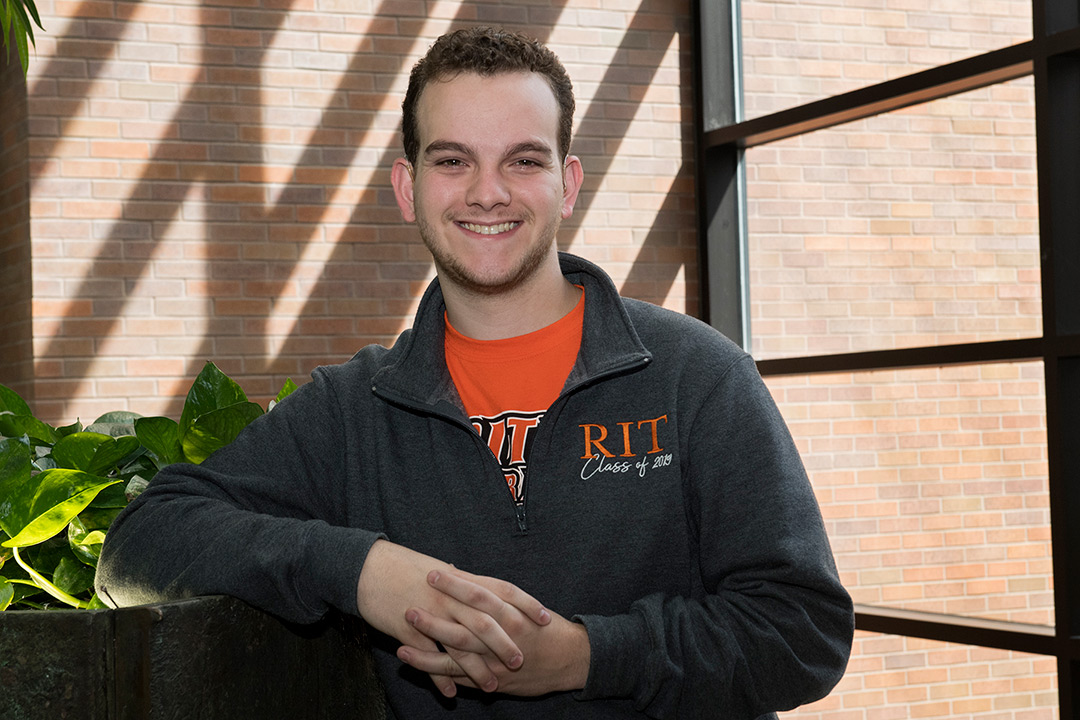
(201,658)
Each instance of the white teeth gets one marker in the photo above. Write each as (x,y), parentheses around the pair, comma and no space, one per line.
(489,229)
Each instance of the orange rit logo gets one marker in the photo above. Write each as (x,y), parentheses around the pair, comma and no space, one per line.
(629,434)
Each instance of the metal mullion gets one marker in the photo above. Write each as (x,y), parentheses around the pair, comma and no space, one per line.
(1001,635)
(942,81)
(720,187)
(930,356)
(1057,110)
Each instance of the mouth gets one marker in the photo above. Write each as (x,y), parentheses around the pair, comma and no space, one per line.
(489,229)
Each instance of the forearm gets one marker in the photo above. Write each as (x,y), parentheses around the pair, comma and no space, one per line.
(170,544)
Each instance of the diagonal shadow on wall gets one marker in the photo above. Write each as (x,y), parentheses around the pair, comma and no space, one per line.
(203,158)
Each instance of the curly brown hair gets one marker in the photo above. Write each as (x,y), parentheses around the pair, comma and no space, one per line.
(486,51)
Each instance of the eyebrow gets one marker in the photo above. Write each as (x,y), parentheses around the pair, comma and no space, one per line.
(440,146)
(531,148)
(528,147)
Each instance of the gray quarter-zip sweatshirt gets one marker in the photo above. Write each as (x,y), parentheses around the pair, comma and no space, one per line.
(666,508)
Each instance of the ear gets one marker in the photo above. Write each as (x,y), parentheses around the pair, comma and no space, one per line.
(573,176)
(401,177)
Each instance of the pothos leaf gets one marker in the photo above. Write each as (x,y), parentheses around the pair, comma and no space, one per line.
(9,399)
(7,593)
(216,429)
(72,576)
(40,509)
(115,424)
(161,437)
(212,390)
(13,426)
(15,466)
(286,390)
(76,451)
(84,542)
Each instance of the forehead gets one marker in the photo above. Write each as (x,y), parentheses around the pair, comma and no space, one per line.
(488,110)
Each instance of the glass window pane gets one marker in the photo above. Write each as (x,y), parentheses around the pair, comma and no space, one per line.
(933,485)
(918,227)
(894,678)
(797,52)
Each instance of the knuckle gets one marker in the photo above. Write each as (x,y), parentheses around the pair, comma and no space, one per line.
(476,596)
(505,590)
(484,624)
(460,638)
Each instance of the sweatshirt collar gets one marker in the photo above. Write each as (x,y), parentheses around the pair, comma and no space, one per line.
(415,373)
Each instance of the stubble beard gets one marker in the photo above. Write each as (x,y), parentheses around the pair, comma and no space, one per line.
(451,269)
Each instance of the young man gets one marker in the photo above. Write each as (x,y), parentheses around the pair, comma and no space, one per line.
(542,489)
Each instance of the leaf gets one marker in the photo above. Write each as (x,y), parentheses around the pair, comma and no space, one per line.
(286,390)
(42,507)
(96,603)
(135,487)
(111,454)
(216,429)
(18,425)
(14,15)
(7,593)
(34,12)
(93,452)
(212,390)
(15,467)
(115,424)
(161,438)
(69,429)
(93,518)
(9,399)
(110,498)
(84,542)
(76,451)
(22,30)
(72,576)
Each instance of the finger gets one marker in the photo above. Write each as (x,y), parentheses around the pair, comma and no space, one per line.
(450,633)
(509,593)
(466,590)
(481,614)
(463,668)
(445,685)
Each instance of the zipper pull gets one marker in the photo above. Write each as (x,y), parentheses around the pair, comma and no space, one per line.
(520,511)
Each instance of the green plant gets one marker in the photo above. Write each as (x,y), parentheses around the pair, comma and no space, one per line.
(61,487)
(15,16)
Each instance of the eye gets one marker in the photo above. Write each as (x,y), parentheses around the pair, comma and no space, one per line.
(450,162)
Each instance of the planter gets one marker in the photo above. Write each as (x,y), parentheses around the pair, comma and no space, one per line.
(212,657)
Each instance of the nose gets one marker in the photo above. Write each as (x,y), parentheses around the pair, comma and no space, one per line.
(488,189)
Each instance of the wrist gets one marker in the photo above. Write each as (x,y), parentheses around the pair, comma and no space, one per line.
(579,657)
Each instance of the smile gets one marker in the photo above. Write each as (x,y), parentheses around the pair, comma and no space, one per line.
(489,229)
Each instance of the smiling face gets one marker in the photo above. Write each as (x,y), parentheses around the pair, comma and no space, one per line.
(488,191)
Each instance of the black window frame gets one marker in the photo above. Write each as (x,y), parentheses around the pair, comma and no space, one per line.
(1052,58)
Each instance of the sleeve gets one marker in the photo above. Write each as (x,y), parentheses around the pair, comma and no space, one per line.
(771,626)
(262,519)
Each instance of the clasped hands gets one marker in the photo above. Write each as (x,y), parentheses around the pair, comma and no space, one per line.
(493,635)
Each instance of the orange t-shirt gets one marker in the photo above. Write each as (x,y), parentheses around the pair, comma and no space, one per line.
(507,385)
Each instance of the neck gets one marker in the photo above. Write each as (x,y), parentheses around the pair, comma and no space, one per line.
(546,298)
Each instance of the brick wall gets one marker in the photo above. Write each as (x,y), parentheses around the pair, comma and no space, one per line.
(210,181)
(915,228)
